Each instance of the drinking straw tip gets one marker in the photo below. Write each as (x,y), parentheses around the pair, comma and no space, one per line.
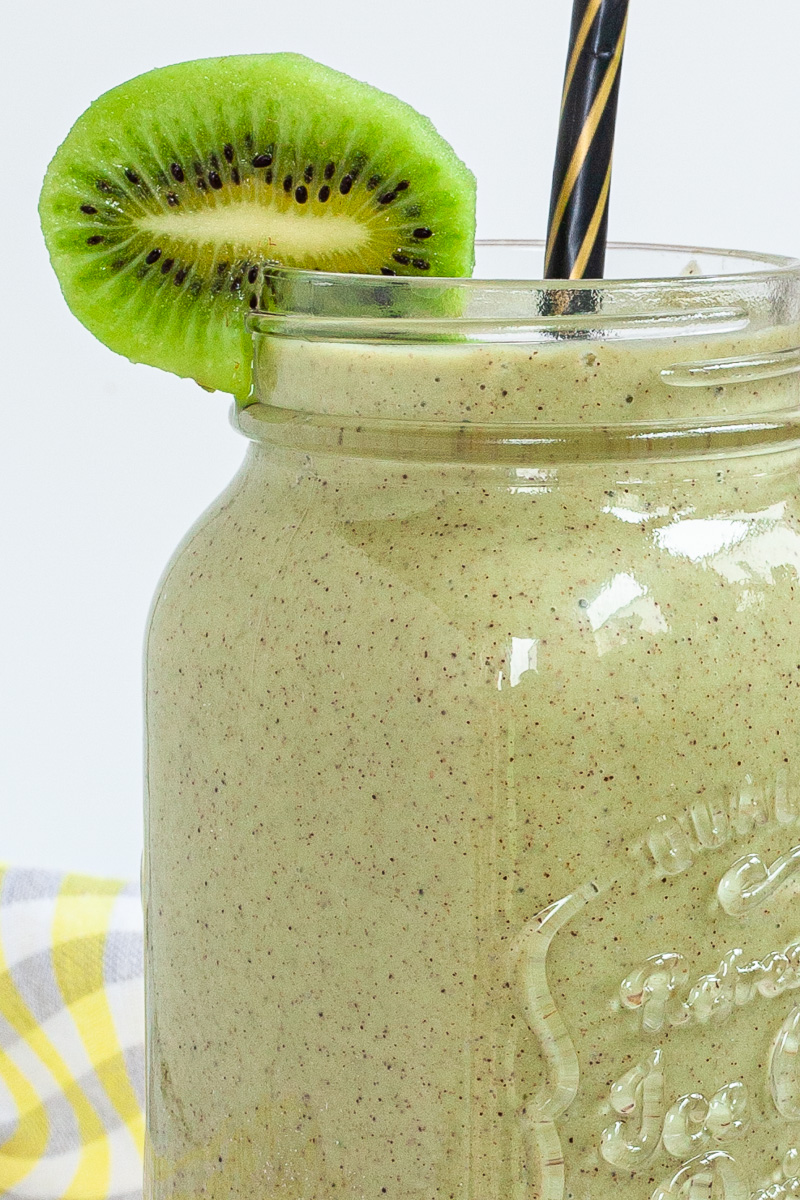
(578,224)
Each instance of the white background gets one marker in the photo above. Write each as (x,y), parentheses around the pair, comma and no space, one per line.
(103,465)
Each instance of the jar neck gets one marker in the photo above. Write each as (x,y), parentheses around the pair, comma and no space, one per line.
(503,370)
(569,400)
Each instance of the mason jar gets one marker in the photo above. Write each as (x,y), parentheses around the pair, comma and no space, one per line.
(473,844)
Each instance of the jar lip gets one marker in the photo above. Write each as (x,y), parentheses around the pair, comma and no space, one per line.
(659,291)
(768,265)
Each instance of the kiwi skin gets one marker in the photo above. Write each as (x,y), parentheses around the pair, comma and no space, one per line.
(174,191)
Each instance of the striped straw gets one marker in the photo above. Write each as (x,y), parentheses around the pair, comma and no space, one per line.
(576,240)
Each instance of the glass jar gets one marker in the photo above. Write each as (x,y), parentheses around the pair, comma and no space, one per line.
(473,705)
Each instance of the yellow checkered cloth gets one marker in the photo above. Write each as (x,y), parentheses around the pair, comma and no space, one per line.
(71,1037)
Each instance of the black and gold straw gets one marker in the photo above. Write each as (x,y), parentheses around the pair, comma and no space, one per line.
(576,239)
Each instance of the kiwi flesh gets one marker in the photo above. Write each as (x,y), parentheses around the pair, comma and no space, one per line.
(175,192)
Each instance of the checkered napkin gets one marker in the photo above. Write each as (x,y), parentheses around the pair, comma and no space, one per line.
(71,1037)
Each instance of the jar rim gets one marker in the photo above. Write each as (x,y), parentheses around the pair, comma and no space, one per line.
(764,265)
(656,288)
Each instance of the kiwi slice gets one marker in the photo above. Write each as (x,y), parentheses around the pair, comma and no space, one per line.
(174,192)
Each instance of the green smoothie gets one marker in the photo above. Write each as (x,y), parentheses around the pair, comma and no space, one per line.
(474,831)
